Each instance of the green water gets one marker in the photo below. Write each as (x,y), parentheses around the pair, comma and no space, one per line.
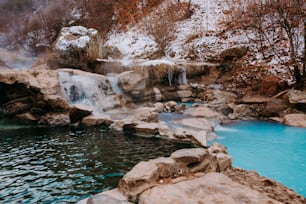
(65,165)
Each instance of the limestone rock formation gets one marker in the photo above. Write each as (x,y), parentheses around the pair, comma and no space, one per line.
(210,188)
(96,120)
(297,99)
(198,138)
(76,47)
(92,89)
(79,111)
(297,120)
(180,165)
(34,93)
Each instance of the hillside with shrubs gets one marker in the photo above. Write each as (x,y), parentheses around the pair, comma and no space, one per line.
(251,36)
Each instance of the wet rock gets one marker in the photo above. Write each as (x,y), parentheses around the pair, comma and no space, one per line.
(210,188)
(297,120)
(79,111)
(55,119)
(93,120)
(76,47)
(147,129)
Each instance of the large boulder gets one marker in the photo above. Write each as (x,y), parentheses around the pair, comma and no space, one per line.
(210,188)
(76,47)
(297,120)
(218,100)
(181,164)
(198,138)
(94,120)
(297,99)
(30,94)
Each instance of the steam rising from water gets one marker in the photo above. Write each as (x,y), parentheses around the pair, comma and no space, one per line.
(17,59)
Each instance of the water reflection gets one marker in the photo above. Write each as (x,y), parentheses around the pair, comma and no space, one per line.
(62,165)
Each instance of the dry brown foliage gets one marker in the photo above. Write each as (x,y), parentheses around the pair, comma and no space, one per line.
(272,21)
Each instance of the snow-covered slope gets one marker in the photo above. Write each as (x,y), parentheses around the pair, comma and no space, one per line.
(198,38)
(199,34)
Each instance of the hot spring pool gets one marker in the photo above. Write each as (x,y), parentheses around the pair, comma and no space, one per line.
(273,150)
(65,165)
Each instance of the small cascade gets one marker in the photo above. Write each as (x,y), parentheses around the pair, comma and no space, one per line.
(170,76)
(89,89)
(182,79)
(114,81)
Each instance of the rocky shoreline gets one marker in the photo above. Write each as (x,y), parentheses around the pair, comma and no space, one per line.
(55,96)
(194,175)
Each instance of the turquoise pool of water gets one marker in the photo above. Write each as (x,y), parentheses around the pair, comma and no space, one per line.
(65,165)
(273,150)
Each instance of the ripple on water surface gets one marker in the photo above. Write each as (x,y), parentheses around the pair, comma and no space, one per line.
(64,165)
(274,150)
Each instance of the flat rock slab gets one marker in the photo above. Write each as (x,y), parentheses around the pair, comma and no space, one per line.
(108,197)
(198,123)
(296,96)
(253,100)
(211,188)
(297,120)
(203,112)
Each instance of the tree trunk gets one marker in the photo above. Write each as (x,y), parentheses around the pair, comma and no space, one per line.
(304,58)
(299,81)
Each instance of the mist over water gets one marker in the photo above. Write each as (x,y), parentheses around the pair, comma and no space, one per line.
(17,59)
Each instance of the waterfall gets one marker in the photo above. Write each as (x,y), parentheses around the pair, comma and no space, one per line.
(114,81)
(182,80)
(170,75)
(92,90)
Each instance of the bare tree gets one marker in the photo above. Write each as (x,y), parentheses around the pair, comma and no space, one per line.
(270,19)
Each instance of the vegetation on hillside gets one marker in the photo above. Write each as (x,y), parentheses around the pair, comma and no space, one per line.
(36,23)
(271,23)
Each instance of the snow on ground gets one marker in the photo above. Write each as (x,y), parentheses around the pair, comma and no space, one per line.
(198,37)
(197,33)
(133,44)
